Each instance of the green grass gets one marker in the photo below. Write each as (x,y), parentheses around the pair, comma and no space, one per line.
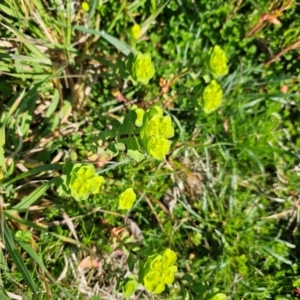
(225,198)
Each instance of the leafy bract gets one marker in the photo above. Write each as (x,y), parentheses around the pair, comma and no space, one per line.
(142,69)
(155,132)
(212,97)
(79,181)
(218,62)
(126,199)
(159,270)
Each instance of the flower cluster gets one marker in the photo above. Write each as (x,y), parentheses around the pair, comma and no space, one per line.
(126,199)
(218,62)
(155,132)
(219,296)
(136,31)
(85,6)
(130,287)
(212,97)
(159,270)
(84,181)
(142,68)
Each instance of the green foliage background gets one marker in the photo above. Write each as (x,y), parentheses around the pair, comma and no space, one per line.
(226,197)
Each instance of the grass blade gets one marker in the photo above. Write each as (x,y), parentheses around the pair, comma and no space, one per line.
(35,195)
(122,47)
(34,171)
(40,262)
(16,257)
(32,48)
(3,296)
